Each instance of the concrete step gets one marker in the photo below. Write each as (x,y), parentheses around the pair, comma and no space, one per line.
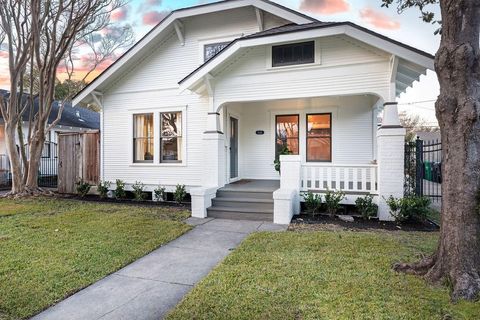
(240,214)
(242,203)
(225,193)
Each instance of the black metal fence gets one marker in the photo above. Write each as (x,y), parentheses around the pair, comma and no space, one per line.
(423,169)
(47,172)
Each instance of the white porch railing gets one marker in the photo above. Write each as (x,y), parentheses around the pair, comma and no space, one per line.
(348,178)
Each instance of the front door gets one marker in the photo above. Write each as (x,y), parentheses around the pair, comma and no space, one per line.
(233,148)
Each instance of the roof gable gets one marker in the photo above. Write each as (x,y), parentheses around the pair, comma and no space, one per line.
(173,21)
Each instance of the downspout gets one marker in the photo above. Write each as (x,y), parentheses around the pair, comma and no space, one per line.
(98,98)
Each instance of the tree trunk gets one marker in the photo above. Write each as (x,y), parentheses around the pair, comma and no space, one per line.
(15,164)
(35,154)
(457,64)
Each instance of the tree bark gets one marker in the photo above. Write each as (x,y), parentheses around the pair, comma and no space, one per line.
(457,63)
(15,164)
(35,154)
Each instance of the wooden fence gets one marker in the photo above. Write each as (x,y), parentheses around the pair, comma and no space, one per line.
(79,159)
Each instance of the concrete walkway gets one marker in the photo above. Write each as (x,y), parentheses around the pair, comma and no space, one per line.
(154,284)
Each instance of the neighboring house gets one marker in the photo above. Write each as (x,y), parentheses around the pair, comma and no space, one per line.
(430,136)
(212,94)
(74,119)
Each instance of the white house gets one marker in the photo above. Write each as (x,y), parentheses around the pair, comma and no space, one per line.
(211,95)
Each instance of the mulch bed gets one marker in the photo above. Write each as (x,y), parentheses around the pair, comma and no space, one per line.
(327,222)
(95,198)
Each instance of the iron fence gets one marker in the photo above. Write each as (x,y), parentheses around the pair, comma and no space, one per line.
(423,169)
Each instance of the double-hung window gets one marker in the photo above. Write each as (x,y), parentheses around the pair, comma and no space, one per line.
(287,129)
(143,138)
(171,140)
(319,137)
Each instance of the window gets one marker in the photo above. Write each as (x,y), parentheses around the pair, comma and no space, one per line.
(292,54)
(319,137)
(210,50)
(47,148)
(286,134)
(143,137)
(171,137)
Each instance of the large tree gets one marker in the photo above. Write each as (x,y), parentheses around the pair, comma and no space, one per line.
(457,63)
(42,37)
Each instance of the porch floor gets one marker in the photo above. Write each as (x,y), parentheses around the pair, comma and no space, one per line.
(250,185)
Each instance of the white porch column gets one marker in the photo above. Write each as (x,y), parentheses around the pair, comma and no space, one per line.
(287,198)
(214,153)
(390,157)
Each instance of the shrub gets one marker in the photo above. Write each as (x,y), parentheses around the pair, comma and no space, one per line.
(83,188)
(160,194)
(138,193)
(332,201)
(313,202)
(180,193)
(410,208)
(366,207)
(120,189)
(284,151)
(102,188)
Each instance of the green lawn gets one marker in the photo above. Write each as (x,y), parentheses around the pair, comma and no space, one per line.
(51,248)
(322,275)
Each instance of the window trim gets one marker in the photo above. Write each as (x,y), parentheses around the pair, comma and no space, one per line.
(161,137)
(289,64)
(306,136)
(276,132)
(134,138)
(226,43)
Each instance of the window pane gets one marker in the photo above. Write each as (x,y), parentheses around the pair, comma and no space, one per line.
(171,124)
(212,49)
(319,137)
(287,134)
(291,54)
(171,149)
(143,137)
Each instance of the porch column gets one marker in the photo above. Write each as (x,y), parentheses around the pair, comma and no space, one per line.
(390,152)
(214,152)
(286,200)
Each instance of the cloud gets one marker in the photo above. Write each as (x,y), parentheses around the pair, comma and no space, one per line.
(3,54)
(325,6)
(4,81)
(119,14)
(153,2)
(153,17)
(378,19)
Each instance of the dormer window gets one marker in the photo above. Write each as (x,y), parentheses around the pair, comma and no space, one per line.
(293,54)
(211,49)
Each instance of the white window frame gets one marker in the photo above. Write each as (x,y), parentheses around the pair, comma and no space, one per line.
(206,41)
(156,136)
(317,60)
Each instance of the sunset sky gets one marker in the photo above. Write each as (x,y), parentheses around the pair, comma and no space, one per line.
(143,15)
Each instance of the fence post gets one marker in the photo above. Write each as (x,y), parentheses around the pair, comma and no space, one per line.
(419,170)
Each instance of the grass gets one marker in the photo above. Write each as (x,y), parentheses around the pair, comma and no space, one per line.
(51,248)
(322,275)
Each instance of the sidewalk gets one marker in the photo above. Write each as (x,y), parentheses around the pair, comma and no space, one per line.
(154,284)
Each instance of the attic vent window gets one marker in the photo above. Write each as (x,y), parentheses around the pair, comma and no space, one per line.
(293,54)
(211,49)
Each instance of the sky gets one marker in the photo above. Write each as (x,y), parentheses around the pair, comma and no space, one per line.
(407,27)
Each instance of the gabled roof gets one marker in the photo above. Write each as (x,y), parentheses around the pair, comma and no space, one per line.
(415,60)
(77,117)
(144,43)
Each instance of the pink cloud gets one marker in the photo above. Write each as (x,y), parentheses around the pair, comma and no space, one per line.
(153,17)
(119,14)
(378,19)
(4,81)
(325,6)
(3,54)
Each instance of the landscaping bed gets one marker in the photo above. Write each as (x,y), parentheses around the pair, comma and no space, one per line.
(323,275)
(51,248)
(130,201)
(360,223)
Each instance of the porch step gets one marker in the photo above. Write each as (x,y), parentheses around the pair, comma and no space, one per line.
(243,203)
(235,213)
(250,194)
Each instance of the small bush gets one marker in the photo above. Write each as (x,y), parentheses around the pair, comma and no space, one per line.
(283,152)
(83,188)
(120,189)
(313,202)
(160,194)
(366,207)
(180,193)
(410,208)
(138,191)
(332,201)
(102,188)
